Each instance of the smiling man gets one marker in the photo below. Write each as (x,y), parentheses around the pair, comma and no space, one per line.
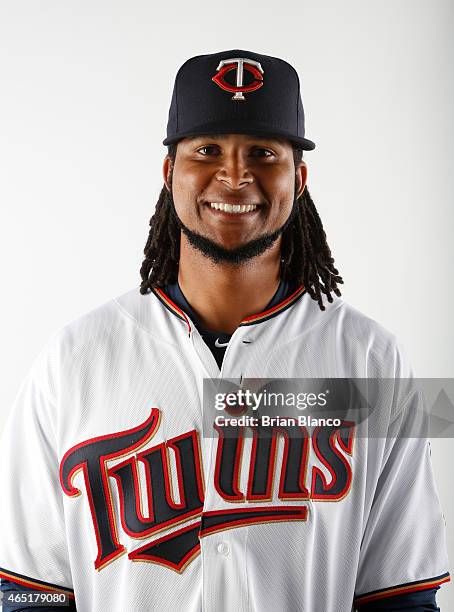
(233,196)
(117,495)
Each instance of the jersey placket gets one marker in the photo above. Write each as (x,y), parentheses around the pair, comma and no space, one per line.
(223,554)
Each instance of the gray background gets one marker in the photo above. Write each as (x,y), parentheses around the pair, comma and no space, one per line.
(85,88)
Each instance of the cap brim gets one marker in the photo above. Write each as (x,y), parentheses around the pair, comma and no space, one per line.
(237,127)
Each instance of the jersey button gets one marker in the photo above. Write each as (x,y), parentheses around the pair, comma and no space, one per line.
(223,548)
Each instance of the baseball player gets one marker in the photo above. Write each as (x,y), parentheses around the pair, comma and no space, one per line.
(114,492)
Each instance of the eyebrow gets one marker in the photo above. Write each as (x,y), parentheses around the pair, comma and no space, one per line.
(224,136)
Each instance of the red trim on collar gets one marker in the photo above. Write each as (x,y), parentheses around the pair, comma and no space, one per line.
(171,305)
(271,311)
(251,319)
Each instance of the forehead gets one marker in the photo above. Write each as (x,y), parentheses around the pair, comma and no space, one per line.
(245,138)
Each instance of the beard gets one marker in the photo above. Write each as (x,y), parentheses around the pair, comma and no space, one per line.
(238,255)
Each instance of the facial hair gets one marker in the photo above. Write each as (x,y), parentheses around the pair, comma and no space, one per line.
(236,256)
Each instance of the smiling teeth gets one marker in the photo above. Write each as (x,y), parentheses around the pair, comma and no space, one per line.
(233,208)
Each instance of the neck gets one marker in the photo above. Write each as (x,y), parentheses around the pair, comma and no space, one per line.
(223,295)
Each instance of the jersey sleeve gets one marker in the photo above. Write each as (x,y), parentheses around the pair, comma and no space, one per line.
(417,601)
(33,549)
(403,547)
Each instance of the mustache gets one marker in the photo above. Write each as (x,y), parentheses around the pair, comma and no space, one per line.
(173,211)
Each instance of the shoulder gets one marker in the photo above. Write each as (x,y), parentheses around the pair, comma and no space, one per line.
(383,346)
(344,318)
(353,335)
(360,326)
(92,331)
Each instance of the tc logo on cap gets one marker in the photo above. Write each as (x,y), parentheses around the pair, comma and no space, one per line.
(240,64)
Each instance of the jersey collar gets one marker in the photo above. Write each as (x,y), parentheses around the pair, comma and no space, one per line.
(253,319)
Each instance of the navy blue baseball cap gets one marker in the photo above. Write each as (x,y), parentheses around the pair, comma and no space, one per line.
(239,92)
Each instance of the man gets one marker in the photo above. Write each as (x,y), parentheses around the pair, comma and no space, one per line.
(119,496)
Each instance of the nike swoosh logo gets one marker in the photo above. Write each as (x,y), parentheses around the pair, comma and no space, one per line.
(220,344)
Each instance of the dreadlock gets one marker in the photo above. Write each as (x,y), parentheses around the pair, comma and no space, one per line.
(305,255)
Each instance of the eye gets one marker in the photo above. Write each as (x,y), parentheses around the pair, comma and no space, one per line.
(209,148)
(268,152)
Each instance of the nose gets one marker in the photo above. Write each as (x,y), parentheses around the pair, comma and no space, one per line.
(234,171)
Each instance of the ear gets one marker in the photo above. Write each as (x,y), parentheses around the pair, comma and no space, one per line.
(300,177)
(166,170)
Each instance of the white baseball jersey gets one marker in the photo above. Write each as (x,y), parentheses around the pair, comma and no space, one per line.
(110,490)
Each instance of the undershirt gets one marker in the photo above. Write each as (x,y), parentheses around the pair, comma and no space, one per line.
(218,340)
